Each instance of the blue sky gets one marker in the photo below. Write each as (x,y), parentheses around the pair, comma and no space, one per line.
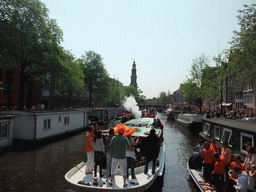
(163,36)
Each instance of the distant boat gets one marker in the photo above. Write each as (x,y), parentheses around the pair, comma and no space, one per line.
(76,176)
(170,113)
(191,122)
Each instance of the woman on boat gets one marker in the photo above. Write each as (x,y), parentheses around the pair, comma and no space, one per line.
(89,150)
(151,149)
(207,163)
(251,178)
(99,150)
(107,151)
(130,154)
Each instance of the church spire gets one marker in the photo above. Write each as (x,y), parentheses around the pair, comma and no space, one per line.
(134,76)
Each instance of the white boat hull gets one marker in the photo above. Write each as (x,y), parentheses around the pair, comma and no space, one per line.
(77,174)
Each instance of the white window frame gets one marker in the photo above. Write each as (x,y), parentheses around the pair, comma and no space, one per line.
(241,143)
(206,128)
(47,124)
(229,130)
(216,126)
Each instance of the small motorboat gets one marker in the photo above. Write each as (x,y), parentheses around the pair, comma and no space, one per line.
(86,182)
(195,171)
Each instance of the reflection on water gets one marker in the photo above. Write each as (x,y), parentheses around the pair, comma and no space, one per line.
(42,167)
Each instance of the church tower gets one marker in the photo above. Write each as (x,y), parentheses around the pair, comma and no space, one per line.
(134,76)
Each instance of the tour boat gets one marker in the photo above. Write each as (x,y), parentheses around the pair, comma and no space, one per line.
(195,171)
(191,122)
(86,182)
(170,113)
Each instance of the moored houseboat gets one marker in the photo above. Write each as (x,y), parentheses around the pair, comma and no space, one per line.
(235,131)
(192,123)
(6,130)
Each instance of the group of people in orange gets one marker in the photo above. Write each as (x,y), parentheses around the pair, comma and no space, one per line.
(215,112)
(219,164)
(150,112)
(119,149)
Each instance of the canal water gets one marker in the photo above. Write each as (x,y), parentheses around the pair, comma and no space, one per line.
(42,166)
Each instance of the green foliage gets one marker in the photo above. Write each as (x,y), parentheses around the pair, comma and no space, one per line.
(189,90)
(95,76)
(70,79)
(137,93)
(115,91)
(243,47)
(29,40)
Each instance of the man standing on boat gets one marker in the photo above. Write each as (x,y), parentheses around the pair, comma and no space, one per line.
(151,149)
(207,163)
(226,153)
(118,146)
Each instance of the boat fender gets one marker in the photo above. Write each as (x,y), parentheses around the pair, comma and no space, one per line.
(205,187)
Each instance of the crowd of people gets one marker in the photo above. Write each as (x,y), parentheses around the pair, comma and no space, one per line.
(224,171)
(119,149)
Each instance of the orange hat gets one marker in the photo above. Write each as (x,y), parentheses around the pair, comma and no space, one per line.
(129,132)
(120,128)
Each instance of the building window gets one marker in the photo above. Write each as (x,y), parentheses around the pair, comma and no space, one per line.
(244,138)
(4,130)
(59,118)
(47,124)
(217,132)
(226,135)
(66,120)
(206,128)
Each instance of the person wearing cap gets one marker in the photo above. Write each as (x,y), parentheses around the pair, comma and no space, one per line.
(130,154)
(118,146)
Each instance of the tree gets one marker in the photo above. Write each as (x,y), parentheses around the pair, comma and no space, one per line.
(137,93)
(243,49)
(95,75)
(221,75)
(71,79)
(115,92)
(196,74)
(189,90)
(32,46)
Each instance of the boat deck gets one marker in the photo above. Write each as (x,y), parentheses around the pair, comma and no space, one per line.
(85,181)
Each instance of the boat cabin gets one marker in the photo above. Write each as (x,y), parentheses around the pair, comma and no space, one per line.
(235,131)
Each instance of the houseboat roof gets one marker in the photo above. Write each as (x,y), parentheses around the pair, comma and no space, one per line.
(234,123)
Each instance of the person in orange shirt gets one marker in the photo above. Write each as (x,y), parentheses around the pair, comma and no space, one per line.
(207,163)
(232,181)
(218,172)
(89,150)
(237,161)
(226,153)
(251,114)
(214,148)
(160,124)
